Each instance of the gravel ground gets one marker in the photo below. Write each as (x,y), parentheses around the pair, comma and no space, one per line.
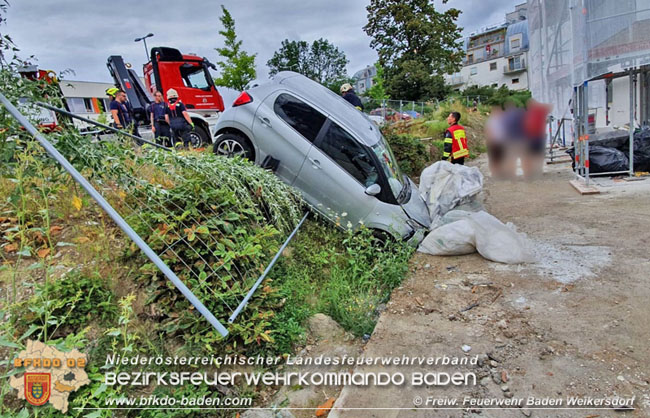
(576,323)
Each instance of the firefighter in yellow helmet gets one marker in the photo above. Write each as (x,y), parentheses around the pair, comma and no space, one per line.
(348,94)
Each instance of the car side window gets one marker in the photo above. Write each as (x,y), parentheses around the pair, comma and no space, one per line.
(349,154)
(299,115)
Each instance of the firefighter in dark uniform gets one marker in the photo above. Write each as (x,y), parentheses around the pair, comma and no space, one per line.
(159,125)
(455,147)
(348,94)
(178,119)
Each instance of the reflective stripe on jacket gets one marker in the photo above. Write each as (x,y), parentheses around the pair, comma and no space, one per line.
(458,141)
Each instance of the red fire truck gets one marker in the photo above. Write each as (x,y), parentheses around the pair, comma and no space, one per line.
(189,75)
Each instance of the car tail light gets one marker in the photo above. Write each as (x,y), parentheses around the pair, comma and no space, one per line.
(243,99)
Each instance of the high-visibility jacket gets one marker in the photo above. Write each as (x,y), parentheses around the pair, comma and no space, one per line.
(458,141)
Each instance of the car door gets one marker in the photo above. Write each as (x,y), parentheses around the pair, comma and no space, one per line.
(335,175)
(285,128)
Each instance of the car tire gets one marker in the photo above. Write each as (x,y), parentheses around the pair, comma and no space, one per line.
(199,137)
(231,145)
(382,238)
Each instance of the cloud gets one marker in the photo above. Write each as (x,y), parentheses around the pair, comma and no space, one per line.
(80,35)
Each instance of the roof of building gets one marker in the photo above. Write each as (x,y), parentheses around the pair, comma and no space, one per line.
(372,71)
(73,88)
(518,28)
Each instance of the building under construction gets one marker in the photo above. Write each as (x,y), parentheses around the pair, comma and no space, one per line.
(589,59)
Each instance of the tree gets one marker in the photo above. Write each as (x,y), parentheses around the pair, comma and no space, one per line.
(412,37)
(237,67)
(412,80)
(321,61)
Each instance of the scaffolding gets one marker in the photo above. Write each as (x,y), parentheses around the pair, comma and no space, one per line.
(577,49)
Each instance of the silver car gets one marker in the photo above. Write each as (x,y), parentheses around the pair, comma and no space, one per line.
(317,142)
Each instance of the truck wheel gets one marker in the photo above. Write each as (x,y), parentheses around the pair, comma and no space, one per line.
(230,145)
(199,137)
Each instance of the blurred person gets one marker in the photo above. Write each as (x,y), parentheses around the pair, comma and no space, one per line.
(455,146)
(534,130)
(159,124)
(347,91)
(178,119)
(495,141)
(513,118)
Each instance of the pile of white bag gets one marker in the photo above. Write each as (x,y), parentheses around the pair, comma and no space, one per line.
(446,186)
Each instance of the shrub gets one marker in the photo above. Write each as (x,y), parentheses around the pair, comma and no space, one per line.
(436,128)
(67,305)
(410,152)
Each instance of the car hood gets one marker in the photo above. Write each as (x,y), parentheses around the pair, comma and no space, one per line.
(416,208)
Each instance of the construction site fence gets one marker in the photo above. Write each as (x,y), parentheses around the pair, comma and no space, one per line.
(113,180)
(389,106)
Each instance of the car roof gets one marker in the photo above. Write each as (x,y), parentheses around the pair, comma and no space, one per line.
(336,107)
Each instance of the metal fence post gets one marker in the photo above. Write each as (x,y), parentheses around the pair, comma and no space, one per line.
(632,111)
(585,94)
(124,226)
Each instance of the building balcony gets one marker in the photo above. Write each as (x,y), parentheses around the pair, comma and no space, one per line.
(513,68)
(456,80)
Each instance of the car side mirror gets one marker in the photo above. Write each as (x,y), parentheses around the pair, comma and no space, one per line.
(373,190)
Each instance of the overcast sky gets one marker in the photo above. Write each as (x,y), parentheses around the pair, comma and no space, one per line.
(81,34)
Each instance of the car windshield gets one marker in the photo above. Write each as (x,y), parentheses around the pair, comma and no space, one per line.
(389,165)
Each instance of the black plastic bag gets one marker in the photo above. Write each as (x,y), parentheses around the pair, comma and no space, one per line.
(604,159)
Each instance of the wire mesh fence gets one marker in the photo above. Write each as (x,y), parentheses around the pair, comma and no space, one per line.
(395,110)
(215,223)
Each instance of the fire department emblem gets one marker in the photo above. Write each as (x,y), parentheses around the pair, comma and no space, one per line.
(37,388)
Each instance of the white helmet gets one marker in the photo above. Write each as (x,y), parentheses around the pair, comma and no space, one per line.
(172,94)
(346,87)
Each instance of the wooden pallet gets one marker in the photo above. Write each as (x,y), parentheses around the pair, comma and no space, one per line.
(582,188)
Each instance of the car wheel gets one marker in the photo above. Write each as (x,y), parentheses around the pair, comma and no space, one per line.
(382,238)
(198,137)
(231,145)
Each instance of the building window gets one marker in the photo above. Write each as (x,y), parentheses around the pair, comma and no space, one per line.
(80,105)
(515,43)
(515,81)
(493,66)
(470,58)
(473,71)
(514,63)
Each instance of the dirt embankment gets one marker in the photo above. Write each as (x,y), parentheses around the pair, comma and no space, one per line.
(573,324)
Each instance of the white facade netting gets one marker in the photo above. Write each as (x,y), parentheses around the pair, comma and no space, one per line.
(574,41)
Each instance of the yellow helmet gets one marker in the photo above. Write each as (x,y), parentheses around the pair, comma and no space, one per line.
(346,87)
(112,91)
(172,94)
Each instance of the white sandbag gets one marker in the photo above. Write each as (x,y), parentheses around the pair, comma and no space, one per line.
(444,185)
(455,238)
(449,217)
(480,232)
(501,242)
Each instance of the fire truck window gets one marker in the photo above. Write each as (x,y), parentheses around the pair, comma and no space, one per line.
(194,77)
